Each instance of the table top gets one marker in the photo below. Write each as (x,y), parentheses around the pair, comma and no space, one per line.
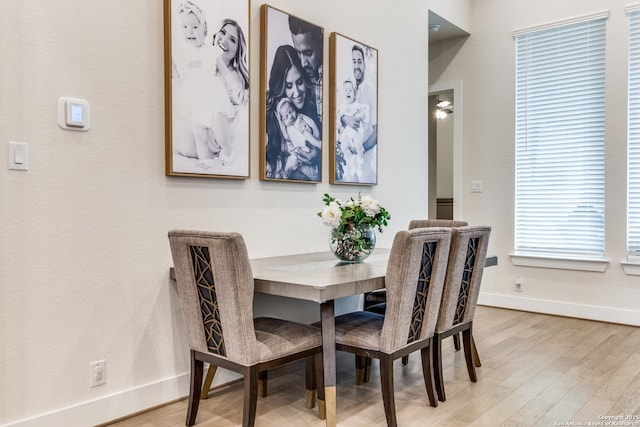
(319,276)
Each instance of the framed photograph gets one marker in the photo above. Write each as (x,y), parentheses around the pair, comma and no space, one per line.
(207,88)
(353,112)
(290,98)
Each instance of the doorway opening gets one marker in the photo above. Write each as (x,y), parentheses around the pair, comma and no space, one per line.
(445,133)
(443,124)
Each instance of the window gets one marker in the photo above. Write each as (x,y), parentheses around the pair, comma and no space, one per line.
(633,157)
(560,109)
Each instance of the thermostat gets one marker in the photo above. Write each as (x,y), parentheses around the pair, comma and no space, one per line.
(73,114)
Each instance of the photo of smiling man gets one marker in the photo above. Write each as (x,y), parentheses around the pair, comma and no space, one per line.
(292,52)
(354,155)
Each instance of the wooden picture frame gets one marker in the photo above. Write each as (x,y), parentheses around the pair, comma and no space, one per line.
(353,112)
(291,52)
(207,88)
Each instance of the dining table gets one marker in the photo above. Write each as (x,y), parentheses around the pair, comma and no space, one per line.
(322,278)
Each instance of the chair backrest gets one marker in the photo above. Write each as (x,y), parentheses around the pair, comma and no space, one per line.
(414,282)
(215,288)
(426,223)
(464,275)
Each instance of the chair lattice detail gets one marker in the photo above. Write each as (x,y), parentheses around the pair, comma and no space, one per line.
(208,300)
(422,291)
(467,275)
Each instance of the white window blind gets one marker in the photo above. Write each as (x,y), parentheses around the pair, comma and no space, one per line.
(633,157)
(560,84)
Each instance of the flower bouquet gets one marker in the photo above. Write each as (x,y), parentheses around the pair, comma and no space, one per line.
(353,225)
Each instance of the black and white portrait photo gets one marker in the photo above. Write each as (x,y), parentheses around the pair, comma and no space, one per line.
(291,103)
(208,76)
(354,109)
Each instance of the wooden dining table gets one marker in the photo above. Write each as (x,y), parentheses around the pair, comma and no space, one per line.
(321,278)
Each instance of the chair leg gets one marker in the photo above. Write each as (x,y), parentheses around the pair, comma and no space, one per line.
(468,354)
(319,371)
(386,382)
(197,367)
(250,396)
(427,371)
(310,381)
(456,341)
(363,369)
(361,365)
(405,360)
(437,361)
(262,383)
(206,387)
(367,369)
(476,357)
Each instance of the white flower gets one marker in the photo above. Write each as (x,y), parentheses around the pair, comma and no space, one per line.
(331,215)
(370,206)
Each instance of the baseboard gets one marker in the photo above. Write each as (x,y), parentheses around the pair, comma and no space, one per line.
(119,405)
(582,311)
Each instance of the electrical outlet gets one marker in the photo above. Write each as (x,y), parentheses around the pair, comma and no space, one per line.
(519,284)
(97,373)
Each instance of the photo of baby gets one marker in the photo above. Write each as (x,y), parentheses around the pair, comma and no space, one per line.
(298,130)
(209,88)
(291,114)
(354,139)
(351,140)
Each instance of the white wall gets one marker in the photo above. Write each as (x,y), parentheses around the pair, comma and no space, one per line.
(458,12)
(485,64)
(84,256)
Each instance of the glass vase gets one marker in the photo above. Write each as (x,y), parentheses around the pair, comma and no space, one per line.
(352,244)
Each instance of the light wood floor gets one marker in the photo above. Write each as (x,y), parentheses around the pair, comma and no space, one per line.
(537,370)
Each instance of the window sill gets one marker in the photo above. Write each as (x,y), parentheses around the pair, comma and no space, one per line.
(582,264)
(631,268)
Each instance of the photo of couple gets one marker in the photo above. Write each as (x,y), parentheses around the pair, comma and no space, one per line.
(291,143)
(209,75)
(354,139)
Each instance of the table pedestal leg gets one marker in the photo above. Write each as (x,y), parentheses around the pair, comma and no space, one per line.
(329,359)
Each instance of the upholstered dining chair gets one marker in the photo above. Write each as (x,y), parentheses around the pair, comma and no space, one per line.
(414,281)
(426,223)
(422,223)
(460,296)
(376,301)
(215,288)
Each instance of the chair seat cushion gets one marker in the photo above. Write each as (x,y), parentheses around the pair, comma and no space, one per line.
(277,337)
(359,329)
(376,297)
(379,308)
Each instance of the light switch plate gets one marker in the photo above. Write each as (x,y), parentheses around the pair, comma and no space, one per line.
(476,186)
(18,156)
